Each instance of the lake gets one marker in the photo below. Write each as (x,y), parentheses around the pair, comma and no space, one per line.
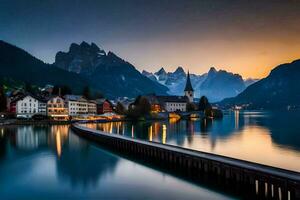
(270,138)
(51,162)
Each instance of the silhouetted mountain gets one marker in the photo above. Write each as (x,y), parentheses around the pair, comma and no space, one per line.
(221,84)
(279,90)
(108,72)
(19,65)
(82,58)
(216,85)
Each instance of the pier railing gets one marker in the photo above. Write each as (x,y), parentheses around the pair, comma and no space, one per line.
(246,178)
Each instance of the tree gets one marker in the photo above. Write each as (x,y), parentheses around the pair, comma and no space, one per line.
(190,107)
(137,100)
(120,109)
(28,88)
(145,106)
(140,108)
(86,92)
(64,89)
(204,104)
(98,95)
(3,101)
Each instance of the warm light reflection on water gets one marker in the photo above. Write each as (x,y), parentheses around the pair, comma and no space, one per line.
(261,137)
(51,162)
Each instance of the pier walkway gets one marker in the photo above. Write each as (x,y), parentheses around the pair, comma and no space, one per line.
(256,179)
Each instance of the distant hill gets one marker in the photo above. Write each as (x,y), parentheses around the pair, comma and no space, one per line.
(279,90)
(106,71)
(216,85)
(18,65)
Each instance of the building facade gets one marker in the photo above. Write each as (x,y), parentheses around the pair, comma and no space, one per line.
(76,105)
(92,107)
(173,103)
(27,106)
(175,106)
(56,108)
(42,107)
(104,106)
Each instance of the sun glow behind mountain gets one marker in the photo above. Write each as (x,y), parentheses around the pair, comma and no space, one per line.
(244,37)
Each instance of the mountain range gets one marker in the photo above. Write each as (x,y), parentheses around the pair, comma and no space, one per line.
(279,90)
(215,85)
(111,74)
(88,65)
(83,65)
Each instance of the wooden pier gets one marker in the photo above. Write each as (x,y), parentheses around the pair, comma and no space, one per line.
(252,180)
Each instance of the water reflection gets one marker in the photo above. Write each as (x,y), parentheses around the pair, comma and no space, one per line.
(51,162)
(266,137)
(81,164)
(74,158)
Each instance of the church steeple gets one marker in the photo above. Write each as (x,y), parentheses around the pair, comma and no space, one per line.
(188,85)
(189,91)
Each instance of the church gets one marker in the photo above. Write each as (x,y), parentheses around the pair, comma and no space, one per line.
(173,103)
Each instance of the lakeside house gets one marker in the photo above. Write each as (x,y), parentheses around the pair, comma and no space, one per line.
(27,106)
(56,108)
(173,103)
(76,105)
(104,106)
(42,107)
(92,107)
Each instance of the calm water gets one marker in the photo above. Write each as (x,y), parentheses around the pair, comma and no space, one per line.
(39,162)
(271,138)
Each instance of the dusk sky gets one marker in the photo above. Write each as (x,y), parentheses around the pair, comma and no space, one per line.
(245,37)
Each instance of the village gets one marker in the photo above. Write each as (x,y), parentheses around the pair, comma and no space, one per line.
(70,107)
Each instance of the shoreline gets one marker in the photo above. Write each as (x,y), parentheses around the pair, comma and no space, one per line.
(15,122)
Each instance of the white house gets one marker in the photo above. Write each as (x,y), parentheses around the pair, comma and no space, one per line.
(173,103)
(27,106)
(76,105)
(175,106)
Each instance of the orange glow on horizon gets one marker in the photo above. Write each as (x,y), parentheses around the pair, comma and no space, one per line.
(251,58)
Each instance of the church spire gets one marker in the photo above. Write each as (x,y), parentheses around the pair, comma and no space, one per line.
(188,86)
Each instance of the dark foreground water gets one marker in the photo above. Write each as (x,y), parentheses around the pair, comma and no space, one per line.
(50,162)
(271,138)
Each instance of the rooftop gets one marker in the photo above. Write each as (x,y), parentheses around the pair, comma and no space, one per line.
(74,98)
